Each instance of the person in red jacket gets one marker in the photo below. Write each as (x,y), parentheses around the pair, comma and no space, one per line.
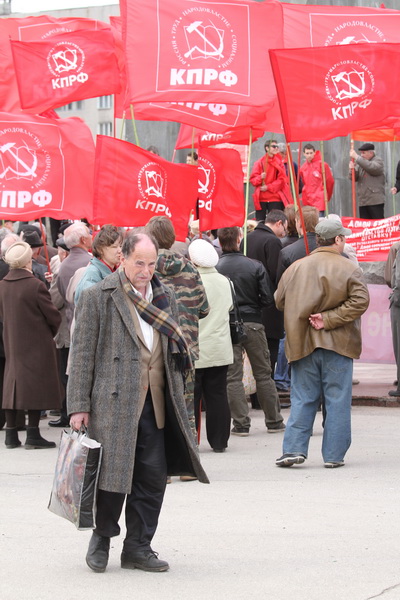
(270,181)
(313,182)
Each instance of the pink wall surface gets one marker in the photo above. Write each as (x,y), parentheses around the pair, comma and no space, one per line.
(375,328)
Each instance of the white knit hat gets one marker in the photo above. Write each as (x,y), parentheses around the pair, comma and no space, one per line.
(203,254)
(18,255)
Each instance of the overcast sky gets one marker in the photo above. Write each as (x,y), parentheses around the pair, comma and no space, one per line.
(32,6)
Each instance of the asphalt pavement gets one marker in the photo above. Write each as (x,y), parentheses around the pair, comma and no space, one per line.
(256,532)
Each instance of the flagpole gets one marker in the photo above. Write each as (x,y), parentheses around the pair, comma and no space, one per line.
(353,183)
(324,178)
(303,226)
(134,125)
(298,172)
(295,189)
(246,207)
(122,126)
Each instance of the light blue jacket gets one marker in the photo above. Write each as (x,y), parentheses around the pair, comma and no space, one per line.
(96,271)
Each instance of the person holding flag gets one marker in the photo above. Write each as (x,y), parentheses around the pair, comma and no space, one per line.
(370,181)
(317,179)
(270,181)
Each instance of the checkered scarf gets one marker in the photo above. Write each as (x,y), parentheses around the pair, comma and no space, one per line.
(156,313)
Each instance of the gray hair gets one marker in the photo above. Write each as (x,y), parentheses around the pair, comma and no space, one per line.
(8,241)
(282,147)
(132,239)
(74,233)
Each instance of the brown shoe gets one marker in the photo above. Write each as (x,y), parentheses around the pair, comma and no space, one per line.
(188,478)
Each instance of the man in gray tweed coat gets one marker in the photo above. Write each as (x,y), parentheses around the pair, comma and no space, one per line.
(126,384)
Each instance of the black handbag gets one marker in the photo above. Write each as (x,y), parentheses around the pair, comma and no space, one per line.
(238,334)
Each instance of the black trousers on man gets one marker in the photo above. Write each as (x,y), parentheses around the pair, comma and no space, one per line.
(143,504)
(374,211)
(266,207)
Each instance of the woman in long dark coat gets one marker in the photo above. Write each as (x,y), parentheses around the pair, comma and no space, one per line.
(30,321)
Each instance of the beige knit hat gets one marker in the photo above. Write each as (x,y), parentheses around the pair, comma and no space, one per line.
(18,255)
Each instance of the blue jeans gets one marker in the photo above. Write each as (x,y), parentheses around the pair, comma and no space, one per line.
(328,373)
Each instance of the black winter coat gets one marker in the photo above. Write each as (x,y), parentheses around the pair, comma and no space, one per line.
(252,284)
(265,246)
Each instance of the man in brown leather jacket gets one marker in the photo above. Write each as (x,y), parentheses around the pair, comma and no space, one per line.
(323,295)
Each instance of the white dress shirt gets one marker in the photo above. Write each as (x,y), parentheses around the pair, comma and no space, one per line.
(147,329)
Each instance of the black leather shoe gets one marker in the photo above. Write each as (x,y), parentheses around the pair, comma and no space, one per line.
(61,422)
(146,560)
(97,554)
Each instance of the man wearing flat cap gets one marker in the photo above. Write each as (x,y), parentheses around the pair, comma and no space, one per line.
(39,270)
(370,181)
(323,296)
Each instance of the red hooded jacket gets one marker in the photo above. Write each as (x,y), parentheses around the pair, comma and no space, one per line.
(313,190)
(276,180)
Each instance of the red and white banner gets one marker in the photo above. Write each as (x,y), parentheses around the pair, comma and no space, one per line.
(331,91)
(68,67)
(372,239)
(305,26)
(132,185)
(221,194)
(46,168)
(189,136)
(30,29)
(201,51)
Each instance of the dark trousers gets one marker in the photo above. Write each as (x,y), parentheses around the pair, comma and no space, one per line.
(63,354)
(143,504)
(211,383)
(375,211)
(273,347)
(54,228)
(266,207)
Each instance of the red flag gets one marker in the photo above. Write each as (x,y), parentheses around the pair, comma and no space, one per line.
(337,25)
(215,117)
(197,51)
(46,168)
(331,91)
(188,136)
(29,29)
(132,185)
(376,135)
(68,67)
(221,197)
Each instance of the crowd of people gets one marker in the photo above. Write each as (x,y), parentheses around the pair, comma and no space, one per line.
(129,334)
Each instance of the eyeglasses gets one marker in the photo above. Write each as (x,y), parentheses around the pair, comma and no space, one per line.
(274,146)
